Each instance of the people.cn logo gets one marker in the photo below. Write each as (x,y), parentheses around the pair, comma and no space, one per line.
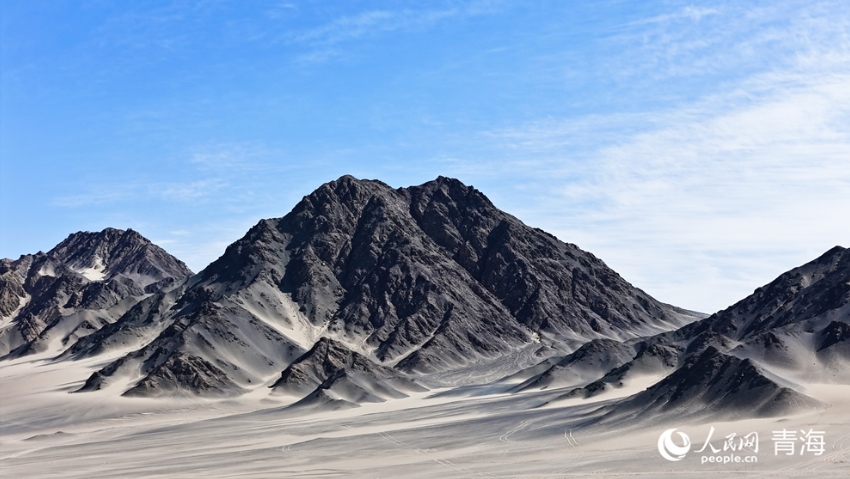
(670,450)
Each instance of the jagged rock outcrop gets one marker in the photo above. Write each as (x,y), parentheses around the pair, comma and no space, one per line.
(813,294)
(794,325)
(207,350)
(113,252)
(139,324)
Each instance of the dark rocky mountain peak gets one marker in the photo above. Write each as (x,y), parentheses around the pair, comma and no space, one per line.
(430,278)
(110,252)
(85,282)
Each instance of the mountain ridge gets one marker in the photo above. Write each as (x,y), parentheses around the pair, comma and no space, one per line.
(366,293)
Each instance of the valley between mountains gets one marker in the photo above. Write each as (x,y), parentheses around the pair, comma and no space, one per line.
(405,332)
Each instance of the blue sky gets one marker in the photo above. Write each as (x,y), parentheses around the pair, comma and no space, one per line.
(699,148)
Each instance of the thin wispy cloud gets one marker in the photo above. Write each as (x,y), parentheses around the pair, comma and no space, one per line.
(233,157)
(140,192)
(690,13)
(91,197)
(690,206)
(375,22)
(763,157)
(215,169)
(188,191)
(697,42)
(349,28)
(280,10)
(706,198)
(143,28)
(324,40)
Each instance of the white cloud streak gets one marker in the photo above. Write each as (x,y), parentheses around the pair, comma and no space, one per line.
(325,40)
(707,196)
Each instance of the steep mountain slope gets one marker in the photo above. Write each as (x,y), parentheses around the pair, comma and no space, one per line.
(439,268)
(424,279)
(205,347)
(87,281)
(814,294)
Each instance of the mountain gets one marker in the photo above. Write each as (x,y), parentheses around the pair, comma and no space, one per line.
(365,293)
(50,300)
(751,359)
(428,280)
(812,293)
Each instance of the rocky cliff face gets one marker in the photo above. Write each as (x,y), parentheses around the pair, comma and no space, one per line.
(811,293)
(87,281)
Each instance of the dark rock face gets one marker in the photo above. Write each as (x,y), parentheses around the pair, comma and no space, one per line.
(834,335)
(651,357)
(119,253)
(796,324)
(84,283)
(543,282)
(141,321)
(181,372)
(205,349)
